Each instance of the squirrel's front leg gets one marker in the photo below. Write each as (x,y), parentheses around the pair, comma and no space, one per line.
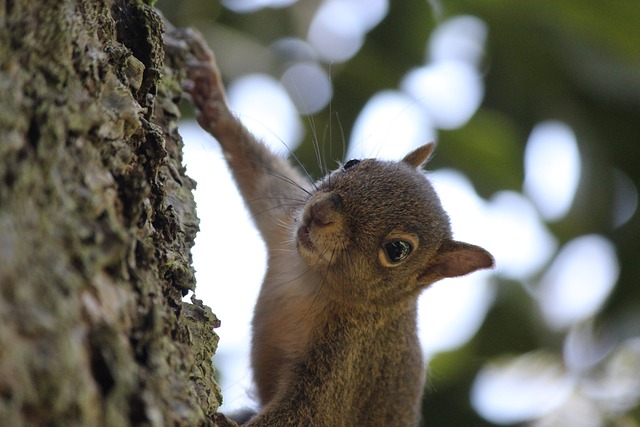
(268,184)
(247,157)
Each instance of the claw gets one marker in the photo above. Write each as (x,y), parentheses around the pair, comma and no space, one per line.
(203,85)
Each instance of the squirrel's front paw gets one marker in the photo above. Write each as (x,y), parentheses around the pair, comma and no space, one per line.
(204,83)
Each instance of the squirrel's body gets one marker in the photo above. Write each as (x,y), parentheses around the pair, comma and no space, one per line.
(334,328)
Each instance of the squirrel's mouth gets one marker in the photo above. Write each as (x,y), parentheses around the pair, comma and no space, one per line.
(303,237)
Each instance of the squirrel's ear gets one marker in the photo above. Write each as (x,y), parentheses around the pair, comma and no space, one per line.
(420,155)
(455,259)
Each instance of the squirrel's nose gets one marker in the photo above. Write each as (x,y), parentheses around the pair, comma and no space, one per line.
(323,210)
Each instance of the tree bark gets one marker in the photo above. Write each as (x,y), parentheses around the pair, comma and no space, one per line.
(97,220)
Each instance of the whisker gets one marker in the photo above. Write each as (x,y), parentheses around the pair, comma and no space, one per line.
(292,199)
(306,173)
(308,269)
(324,279)
(277,174)
(313,133)
(316,149)
(264,211)
(342,137)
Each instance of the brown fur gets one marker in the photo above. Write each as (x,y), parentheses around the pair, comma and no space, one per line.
(334,329)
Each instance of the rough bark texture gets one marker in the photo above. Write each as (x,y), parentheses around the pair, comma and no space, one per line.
(96,224)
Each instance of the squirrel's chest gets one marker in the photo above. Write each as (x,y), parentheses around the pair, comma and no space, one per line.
(290,302)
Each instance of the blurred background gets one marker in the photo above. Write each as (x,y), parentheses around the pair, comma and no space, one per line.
(535,106)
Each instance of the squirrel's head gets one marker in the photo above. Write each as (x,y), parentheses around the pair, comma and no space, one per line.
(377,230)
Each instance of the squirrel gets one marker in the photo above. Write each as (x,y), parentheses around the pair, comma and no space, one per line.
(334,329)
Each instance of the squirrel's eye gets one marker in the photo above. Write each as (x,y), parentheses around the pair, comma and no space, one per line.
(350,163)
(397,250)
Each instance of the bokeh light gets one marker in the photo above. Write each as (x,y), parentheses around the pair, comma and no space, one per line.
(625,198)
(459,38)
(515,389)
(389,124)
(451,91)
(336,31)
(584,347)
(523,244)
(450,86)
(507,225)
(578,282)
(308,85)
(338,27)
(616,387)
(552,168)
(537,387)
(451,311)
(247,6)
(267,111)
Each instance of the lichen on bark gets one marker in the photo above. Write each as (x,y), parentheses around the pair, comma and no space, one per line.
(97,220)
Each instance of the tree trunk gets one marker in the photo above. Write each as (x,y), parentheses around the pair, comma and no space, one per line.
(97,220)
